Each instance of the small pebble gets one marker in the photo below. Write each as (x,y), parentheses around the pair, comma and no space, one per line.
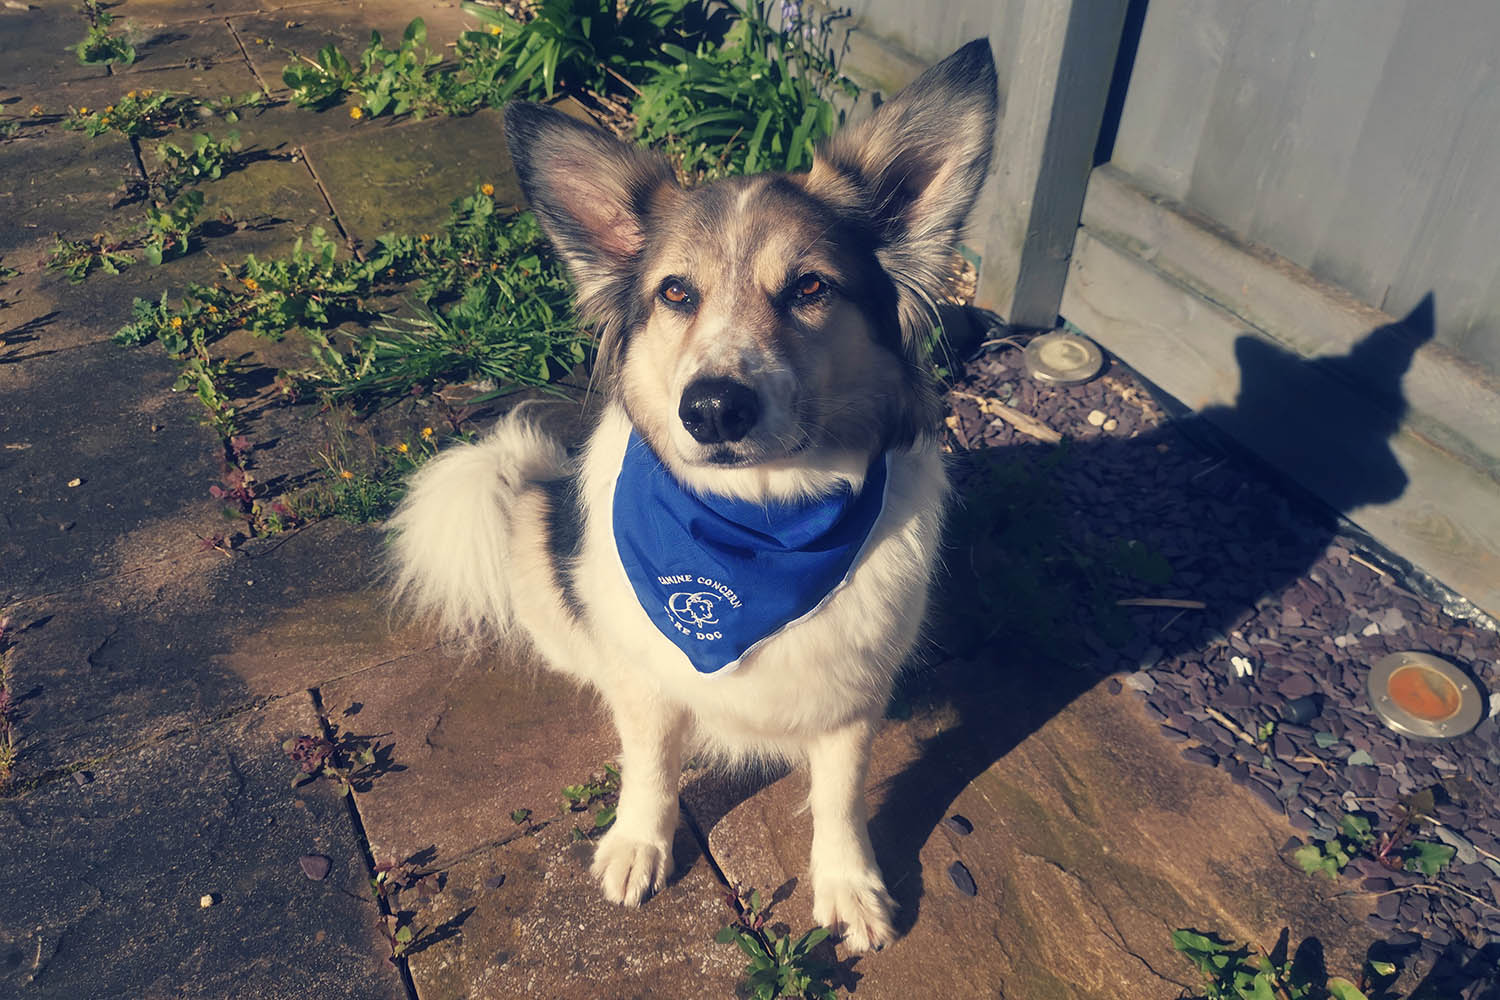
(207,899)
(1111,424)
(494,881)
(82,777)
(959,825)
(75,482)
(962,880)
(315,866)
(1096,418)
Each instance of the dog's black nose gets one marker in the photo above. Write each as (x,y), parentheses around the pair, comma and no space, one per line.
(718,409)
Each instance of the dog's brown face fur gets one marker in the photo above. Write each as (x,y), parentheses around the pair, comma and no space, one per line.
(761,318)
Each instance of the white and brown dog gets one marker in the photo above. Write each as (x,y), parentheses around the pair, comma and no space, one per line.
(738,560)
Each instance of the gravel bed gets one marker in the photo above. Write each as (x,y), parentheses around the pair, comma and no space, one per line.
(1298,608)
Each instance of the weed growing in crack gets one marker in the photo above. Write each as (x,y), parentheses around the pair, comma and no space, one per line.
(779,966)
(602,789)
(205,158)
(100,45)
(80,258)
(1233,971)
(149,114)
(390,879)
(165,233)
(347,760)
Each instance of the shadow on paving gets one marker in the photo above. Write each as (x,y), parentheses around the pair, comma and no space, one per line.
(1031,582)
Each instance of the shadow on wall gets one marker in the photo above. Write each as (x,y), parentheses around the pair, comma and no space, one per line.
(1045,540)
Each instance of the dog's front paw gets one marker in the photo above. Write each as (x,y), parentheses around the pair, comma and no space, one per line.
(628,869)
(857,908)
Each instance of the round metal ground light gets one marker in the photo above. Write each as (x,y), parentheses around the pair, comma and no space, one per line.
(1063,358)
(1421,695)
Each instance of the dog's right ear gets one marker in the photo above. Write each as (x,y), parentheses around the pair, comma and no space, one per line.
(591,194)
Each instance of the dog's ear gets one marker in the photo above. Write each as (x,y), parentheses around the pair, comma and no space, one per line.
(591,194)
(914,169)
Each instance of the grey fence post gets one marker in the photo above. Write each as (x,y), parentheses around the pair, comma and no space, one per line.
(1028,216)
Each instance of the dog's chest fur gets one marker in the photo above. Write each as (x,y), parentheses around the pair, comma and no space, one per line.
(834,665)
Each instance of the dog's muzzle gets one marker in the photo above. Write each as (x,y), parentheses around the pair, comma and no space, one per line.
(718,410)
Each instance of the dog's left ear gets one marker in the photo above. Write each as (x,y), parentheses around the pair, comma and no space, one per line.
(914,169)
(591,193)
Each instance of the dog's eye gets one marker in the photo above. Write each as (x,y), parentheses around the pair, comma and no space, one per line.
(810,286)
(673,292)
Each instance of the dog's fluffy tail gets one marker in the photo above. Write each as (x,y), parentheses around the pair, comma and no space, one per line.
(450,548)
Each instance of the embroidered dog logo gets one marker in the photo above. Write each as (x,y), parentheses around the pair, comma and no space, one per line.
(695,609)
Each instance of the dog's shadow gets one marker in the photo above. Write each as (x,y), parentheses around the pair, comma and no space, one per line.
(1026,614)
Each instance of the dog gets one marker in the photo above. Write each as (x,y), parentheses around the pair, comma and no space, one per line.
(738,557)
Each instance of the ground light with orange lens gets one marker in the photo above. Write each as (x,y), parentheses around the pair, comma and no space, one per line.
(1425,696)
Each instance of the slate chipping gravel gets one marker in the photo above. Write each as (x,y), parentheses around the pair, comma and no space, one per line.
(1295,594)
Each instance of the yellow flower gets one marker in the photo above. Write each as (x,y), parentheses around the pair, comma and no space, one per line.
(109,109)
(145,93)
(494,29)
(403,447)
(252,284)
(487,190)
(36,109)
(177,322)
(426,237)
(345,474)
(131,95)
(356,113)
(426,432)
(83,111)
(212,309)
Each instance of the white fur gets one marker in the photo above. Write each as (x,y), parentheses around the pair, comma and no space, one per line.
(814,692)
(451,536)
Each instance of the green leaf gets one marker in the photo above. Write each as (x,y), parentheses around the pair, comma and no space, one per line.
(750,946)
(1356,828)
(1361,758)
(1428,857)
(1343,989)
(1310,857)
(1325,740)
(403,935)
(1260,989)
(726,934)
(1382,968)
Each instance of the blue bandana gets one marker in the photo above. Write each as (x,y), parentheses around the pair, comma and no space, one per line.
(717,575)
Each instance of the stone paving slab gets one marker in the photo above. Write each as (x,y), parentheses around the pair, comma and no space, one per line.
(33,45)
(477,738)
(182,641)
(104,879)
(404,179)
(65,184)
(1087,840)
(194,43)
(545,931)
(107,418)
